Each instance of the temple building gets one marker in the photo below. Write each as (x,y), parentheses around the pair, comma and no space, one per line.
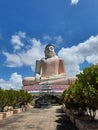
(50,75)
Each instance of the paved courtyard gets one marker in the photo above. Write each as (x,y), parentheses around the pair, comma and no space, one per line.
(38,119)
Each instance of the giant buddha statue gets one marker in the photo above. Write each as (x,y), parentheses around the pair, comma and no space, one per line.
(49,70)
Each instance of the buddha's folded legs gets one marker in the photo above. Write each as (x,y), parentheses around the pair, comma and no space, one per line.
(44,80)
(28,81)
(59,81)
(54,82)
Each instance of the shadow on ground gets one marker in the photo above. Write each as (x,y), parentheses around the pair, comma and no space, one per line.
(63,123)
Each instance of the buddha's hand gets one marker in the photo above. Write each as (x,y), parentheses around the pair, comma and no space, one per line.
(37,77)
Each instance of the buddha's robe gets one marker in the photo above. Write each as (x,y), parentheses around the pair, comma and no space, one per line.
(51,70)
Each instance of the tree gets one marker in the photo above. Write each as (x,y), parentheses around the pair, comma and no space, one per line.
(3,99)
(11,98)
(89,81)
(14,98)
(83,95)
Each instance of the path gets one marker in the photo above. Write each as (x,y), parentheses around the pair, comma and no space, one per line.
(38,119)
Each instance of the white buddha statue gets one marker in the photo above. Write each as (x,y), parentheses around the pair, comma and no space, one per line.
(49,70)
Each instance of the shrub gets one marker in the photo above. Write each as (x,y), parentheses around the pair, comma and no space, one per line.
(83,95)
(14,98)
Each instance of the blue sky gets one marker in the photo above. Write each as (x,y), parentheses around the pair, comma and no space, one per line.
(26,26)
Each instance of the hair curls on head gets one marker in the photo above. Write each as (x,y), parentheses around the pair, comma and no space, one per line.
(48,46)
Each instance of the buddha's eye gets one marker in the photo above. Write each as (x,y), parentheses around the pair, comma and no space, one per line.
(51,48)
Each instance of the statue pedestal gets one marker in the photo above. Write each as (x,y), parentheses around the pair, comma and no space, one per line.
(37,89)
(49,71)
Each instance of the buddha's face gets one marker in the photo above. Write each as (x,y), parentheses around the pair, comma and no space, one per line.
(49,52)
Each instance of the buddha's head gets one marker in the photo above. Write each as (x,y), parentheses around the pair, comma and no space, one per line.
(49,51)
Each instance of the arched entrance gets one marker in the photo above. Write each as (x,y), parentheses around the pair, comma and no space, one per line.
(46,100)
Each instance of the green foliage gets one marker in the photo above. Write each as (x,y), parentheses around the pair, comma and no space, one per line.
(24,97)
(83,95)
(11,101)
(62,96)
(14,98)
(3,99)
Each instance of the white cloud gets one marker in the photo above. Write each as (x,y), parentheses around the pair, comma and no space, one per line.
(76,55)
(58,39)
(92,58)
(12,60)
(74,2)
(16,40)
(72,70)
(47,37)
(28,57)
(15,82)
